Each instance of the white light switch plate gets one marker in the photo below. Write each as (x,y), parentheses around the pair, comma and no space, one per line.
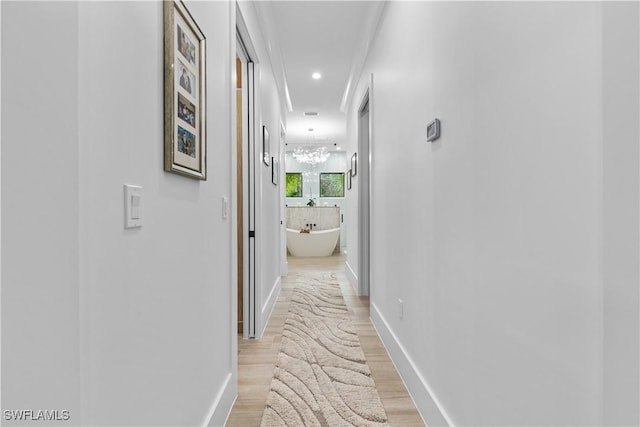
(133,206)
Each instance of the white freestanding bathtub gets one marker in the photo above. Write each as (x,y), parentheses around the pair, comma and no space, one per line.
(314,243)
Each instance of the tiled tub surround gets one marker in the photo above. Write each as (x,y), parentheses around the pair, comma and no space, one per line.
(324,218)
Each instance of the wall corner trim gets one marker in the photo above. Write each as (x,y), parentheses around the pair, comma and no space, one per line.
(371,23)
(222,404)
(352,277)
(268,306)
(430,409)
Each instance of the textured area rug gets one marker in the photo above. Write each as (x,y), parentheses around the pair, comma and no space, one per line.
(321,376)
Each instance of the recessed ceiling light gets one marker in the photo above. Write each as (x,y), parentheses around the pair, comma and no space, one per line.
(316,75)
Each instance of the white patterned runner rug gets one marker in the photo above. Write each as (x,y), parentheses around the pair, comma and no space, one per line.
(321,376)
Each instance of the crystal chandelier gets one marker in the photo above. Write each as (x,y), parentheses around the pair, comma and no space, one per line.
(312,157)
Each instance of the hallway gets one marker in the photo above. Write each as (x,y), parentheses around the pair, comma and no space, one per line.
(256,358)
(504,240)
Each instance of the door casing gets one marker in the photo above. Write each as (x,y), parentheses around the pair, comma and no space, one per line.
(248,190)
(364,192)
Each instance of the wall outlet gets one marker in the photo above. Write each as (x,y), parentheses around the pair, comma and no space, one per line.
(400,309)
(225,207)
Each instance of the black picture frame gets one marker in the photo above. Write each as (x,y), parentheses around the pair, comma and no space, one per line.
(275,170)
(266,146)
(354,165)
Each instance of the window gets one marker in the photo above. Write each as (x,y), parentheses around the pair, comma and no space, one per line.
(294,184)
(332,184)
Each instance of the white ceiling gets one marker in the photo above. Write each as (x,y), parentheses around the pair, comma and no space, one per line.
(328,37)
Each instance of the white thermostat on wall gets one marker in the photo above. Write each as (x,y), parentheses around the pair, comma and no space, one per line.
(433,130)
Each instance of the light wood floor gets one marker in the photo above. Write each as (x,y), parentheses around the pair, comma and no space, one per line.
(256,358)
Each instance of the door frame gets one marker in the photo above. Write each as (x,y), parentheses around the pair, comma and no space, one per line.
(251,203)
(364,190)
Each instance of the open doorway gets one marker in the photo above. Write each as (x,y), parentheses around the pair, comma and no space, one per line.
(245,188)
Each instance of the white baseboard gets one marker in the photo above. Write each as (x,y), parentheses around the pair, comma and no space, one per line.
(222,404)
(352,277)
(268,306)
(430,409)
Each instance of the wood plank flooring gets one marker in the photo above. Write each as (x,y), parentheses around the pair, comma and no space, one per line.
(256,358)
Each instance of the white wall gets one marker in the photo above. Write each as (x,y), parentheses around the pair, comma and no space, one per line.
(351,202)
(40,178)
(158,298)
(497,236)
(268,234)
(122,327)
(621,68)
